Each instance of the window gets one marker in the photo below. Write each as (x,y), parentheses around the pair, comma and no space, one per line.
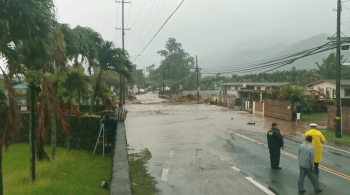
(258,88)
(347,92)
(228,87)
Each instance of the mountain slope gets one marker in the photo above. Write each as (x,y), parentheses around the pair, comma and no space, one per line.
(236,56)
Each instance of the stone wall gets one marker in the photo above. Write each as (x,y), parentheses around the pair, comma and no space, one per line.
(83,135)
(278,109)
(345,118)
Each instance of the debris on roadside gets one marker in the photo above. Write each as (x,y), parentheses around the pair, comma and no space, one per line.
(179,99)
(251,123)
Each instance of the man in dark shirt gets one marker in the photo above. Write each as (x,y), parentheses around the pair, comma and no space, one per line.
(298,110)
(275,142)
(110,129)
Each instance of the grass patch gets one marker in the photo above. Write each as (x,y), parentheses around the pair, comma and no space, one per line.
(73,172)
(330,136)
(312,117)
(141,182)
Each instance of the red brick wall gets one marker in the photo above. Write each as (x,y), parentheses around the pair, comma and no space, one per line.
(345,118)
(278,109)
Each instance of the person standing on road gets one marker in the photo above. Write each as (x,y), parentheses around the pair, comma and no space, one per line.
(121,113)
(298,110)
(306,157)
(317,143)
(275,142)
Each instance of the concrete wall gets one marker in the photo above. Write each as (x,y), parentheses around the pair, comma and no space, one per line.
(345,118)
(278,109)
(120,181)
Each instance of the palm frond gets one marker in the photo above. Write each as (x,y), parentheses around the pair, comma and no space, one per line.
(106,101)
(13,124)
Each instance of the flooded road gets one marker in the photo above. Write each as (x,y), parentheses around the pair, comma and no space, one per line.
(195,149)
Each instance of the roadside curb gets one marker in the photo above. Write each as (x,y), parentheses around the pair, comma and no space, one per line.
(120,181)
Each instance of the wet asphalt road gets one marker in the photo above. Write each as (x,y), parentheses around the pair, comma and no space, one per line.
(196,151)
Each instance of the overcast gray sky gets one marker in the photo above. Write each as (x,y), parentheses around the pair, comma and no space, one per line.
(204,26)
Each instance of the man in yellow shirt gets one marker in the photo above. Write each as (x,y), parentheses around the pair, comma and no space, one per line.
(317,142)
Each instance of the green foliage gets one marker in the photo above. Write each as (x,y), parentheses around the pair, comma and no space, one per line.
(302,77)
(34,76)
(145,184)
(330,136)
(328,68)
(313,117)
(76,79)
(175,68)
(331,102)
(73,172)
(3,97)
(288,93)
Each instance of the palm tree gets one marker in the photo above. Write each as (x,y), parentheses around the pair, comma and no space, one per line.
(13,124)
(26,42)
(110,59)
(328,68)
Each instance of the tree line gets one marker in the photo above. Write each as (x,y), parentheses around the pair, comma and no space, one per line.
(327,69)
(61,64)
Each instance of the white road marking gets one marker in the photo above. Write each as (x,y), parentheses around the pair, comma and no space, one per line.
(167,163)
(171,154)
(263,188)
(165,174)
(337,149)
(235,168)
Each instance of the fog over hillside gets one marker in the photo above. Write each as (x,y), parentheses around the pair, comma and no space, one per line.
(251,52)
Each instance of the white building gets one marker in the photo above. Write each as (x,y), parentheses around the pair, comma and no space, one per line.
(328,87)
(252,90)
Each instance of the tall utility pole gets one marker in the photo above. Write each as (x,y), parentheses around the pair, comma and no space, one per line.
(144,78)
(122,79)
(197,70)
(338,131)
(163,82)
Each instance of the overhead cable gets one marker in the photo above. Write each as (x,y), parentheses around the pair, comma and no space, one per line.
(159,30)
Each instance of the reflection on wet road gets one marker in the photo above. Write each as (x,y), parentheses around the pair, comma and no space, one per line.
(194,153)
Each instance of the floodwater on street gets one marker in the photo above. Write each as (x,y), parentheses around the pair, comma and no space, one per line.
(195,148)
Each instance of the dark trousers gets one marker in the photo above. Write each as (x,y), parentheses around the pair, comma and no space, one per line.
(311,175)
(275,154)
(316,167)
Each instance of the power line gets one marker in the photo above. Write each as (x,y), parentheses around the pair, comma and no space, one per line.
(116,34)
(275,64)
(129,12)
(159,30)
(164,1)
(139,14)
(266,61)
(144,24)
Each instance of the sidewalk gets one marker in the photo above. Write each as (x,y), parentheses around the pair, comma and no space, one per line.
(292,131)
